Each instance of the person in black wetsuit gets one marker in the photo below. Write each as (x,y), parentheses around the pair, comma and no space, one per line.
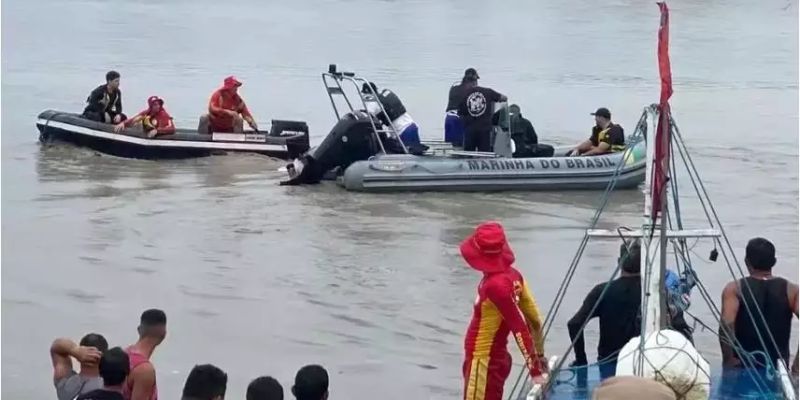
(453,126)
(104,103)
(619,313)
(522,133)
(775,298)
(475,111)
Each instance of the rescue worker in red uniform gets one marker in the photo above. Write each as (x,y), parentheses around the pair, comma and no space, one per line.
(155,120)
(504,304)
(226,110)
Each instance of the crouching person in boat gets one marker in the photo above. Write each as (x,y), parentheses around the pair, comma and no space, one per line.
(757,311)
(155,120)
(104,103)
(504,304)
(227,111)
(399,119)
(607,137)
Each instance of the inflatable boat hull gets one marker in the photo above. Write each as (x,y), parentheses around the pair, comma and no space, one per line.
(286,140)
(391,173)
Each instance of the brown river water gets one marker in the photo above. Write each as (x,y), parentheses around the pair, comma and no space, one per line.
(262,279)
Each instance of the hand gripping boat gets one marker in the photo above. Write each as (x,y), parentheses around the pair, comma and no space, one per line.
(359,149)
(286,139)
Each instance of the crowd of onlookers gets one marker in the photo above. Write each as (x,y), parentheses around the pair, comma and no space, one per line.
(127,374)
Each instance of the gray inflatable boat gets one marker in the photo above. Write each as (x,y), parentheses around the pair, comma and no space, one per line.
(362,154)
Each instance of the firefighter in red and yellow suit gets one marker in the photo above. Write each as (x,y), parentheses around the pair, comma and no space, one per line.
(504,304)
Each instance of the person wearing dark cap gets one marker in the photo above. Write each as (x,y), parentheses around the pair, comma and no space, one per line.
(104,103)
(264,388)
(311,383)
(69,383)
(504,306)
(155,120)
(227,110)
(607,137)
(141,384)
(205,382)
(114,368)
(522,133)
(475,111)
(769,298)
(453,126)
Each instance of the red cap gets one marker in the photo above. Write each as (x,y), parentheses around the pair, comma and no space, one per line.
(487,249)
(231,82)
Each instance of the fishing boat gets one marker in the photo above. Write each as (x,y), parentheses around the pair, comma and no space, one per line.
(660,353)
(285,140)
(366,156)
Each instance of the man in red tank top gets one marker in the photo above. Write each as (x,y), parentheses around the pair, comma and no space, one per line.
(141,383)
(504,305)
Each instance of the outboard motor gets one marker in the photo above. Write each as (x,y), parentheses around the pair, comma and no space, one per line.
(350,140)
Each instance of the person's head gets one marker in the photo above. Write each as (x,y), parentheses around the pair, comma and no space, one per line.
(231,84)
(602,117)
(630,257)
(264,388)
(154,104)
(470,76)
(514,110)
(95,340)
(311,383)
(365,88)
(760,255)
(205,382)
(112,79)
(114,367)
(153,325)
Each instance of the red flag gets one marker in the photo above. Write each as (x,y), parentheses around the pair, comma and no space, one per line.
(662,134)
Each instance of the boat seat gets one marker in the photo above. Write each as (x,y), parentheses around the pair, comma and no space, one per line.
(472,154)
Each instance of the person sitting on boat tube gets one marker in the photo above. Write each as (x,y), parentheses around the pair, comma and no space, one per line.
(104,104)
(399,119)
(155,119)
(607,137)
(227,111)
(504,305)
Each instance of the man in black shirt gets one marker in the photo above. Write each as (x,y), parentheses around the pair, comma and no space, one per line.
(607,137)
(773,300)
(475,111)
(114,368)
(522,133)
(453,127)
(104,104)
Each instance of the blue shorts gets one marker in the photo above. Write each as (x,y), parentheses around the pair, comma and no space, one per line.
(453,130)
(410,135)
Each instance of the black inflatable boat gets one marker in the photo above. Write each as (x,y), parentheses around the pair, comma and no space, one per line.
(286,139)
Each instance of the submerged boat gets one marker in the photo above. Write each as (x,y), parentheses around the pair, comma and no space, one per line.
(366,156)
(285,140)
(659,352)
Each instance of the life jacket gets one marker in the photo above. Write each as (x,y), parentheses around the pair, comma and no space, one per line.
(392,104)
(602,136)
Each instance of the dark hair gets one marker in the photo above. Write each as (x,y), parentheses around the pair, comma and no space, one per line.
(153,317)
(630,257)
(111,75)
(205,382)
(264,388)
(114,366)
(365,87)
(760,254)
(95,340)
(310,383)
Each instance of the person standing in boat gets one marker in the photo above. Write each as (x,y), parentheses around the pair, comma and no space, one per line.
(399,118)
(504,305)
(773,298)
(619,310)
(607,137)
(155,119)
(475,111)
(227,111)
(104,103)
(453,126)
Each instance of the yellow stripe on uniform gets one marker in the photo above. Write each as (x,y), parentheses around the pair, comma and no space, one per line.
(476,387)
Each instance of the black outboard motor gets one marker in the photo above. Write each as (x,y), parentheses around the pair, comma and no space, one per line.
(350,140)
